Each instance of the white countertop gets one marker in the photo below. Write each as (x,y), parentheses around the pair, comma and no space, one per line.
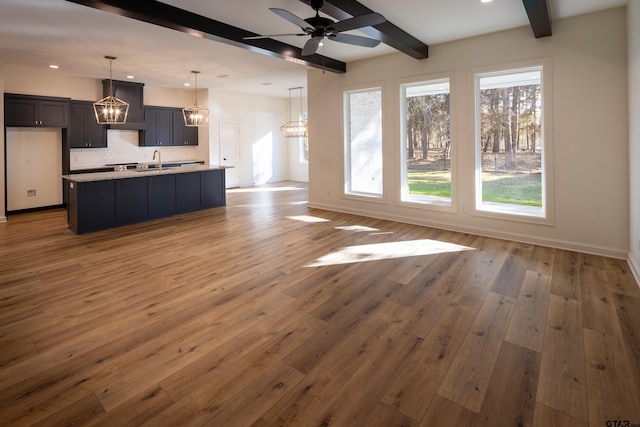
(137,173)
(134,164)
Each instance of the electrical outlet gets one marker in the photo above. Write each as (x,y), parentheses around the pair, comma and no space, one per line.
(31,193)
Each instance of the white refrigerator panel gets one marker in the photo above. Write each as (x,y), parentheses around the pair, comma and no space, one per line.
(34,168)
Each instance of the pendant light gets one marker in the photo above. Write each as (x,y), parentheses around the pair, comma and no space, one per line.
(111,110)
(195,115)
(294,128)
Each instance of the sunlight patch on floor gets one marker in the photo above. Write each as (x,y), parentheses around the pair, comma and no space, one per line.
(262,189)
(356,228)
(307,218)
(390,250)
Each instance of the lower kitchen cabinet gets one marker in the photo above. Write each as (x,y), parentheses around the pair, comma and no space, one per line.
(162,195)
(96,205)
(212,187)
(91,205)
(188,193)
(131,200)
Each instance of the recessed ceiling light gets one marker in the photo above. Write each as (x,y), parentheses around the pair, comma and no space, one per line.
(486,1)
(129,77)
(222,76)
(55,67)
(187,84)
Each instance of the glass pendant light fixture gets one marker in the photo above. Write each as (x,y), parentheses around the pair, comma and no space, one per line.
(111,110)
(294,128)
(195,115)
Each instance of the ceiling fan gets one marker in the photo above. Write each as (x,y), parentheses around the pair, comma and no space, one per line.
(319,27)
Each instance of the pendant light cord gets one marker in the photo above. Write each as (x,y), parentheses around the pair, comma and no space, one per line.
(196,87)
(300,116)
(110,58)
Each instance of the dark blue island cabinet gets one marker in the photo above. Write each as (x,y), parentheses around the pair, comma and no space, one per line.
(111,199)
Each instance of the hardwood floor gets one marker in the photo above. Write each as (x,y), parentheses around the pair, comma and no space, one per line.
(268,313)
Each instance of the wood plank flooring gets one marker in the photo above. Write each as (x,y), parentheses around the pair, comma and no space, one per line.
(268,313)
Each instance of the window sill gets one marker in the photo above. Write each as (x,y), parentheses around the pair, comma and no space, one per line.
(529,214)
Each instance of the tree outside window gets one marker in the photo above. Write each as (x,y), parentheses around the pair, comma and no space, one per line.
(509,142)
(426,142)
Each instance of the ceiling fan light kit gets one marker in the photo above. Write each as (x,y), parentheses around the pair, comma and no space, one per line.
(111,110)
(319,27)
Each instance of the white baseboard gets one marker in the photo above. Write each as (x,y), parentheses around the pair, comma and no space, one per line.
(523,238)
(634,265)
(3,218)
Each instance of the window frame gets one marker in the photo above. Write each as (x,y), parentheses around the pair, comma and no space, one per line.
(346,143)
(427,202)
(510,211)
(303,141)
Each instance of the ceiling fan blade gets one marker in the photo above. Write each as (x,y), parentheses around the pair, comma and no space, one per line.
(357,22)
(311,46)
(267,36)
(355,40)
(295,20)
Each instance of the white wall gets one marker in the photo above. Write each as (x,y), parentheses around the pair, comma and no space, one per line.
(298,168)
(263,153)
(633,19)
(590,144)
(34,167)
(29,80)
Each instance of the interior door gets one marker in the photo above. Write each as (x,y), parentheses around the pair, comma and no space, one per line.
(230,152)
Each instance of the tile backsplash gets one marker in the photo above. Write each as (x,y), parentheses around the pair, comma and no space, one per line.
(122,147)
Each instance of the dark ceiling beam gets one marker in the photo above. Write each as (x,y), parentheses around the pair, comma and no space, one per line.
(164,15)
(386,32)
(539,17)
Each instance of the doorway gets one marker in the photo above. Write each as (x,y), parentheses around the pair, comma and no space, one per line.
(230,151)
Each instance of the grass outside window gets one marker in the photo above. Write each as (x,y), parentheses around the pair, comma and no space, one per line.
(523,189)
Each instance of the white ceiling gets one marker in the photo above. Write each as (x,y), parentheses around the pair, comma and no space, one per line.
(41,32)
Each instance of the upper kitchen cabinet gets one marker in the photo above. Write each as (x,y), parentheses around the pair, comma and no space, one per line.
(158,127)
(164,126)
(183,134)
(35,111)
(130,92)
(84,130)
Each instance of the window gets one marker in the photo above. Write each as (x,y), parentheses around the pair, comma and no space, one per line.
(426,142)
(363,142)
(510,143)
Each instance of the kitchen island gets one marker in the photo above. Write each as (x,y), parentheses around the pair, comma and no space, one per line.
(101,200)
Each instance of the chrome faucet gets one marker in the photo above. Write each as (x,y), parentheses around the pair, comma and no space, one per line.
(159,160)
